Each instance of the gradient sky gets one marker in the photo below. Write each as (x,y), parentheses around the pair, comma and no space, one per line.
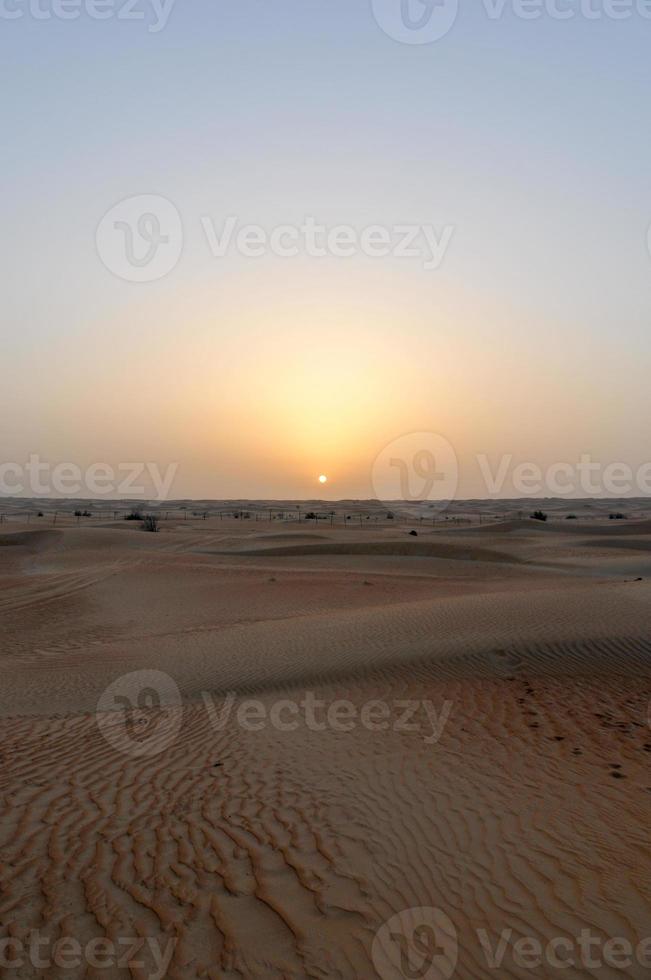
(530,137)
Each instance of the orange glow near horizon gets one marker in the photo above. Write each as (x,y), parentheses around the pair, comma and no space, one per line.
(260,401)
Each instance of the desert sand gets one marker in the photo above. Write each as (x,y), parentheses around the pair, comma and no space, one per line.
(521,801)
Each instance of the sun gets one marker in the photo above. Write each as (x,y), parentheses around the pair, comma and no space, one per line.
(323,478)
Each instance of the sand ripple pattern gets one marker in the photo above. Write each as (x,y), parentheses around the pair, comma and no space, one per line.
(279,854)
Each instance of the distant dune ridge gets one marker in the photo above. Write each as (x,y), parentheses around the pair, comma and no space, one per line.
(280,853)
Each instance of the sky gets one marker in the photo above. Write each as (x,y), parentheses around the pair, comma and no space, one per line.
(509,158)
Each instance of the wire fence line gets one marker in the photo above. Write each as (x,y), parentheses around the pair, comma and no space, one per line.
(329,517)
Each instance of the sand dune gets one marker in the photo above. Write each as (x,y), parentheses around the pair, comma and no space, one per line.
(33,540)
(402,548)
(280,853)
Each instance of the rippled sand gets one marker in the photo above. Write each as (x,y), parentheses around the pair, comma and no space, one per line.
(516,795)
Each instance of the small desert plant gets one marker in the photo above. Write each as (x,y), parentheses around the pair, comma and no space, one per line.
(571,517)
(539,515)
(134,515)
(150,523)
(617,517)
